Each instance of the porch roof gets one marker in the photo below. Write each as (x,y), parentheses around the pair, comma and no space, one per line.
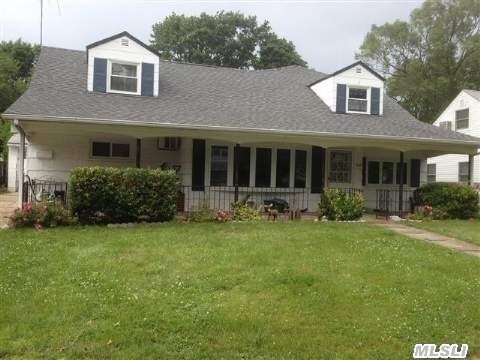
(207,97)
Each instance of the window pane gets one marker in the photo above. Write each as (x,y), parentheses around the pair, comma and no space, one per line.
(431,173)
(283,168)
(124,70)
(357,105)
(463,172)
(404,173)
(243,158)
(123,84)
(373,172)
(387,173)
(100,148)
(461,119)
(357,93)
(446,125)
(263,167)
(121,150)
(300,168)
(219,166)
(340,167)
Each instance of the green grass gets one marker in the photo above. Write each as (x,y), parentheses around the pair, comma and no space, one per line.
(212,291)
(466,230)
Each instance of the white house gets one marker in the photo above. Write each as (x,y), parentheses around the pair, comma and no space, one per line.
(463,116)
(284,133)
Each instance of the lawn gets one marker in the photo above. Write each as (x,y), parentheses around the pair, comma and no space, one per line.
(466,230)
(210,291)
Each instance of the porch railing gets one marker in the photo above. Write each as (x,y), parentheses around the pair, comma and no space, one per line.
(388,202)
(45,190)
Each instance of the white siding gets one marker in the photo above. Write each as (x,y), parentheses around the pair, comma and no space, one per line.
(327,89)
(133,53)
(12,167)
(447,165)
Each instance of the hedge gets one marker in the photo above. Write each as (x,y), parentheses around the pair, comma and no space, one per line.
(336,204)
(116,195)
(450,200)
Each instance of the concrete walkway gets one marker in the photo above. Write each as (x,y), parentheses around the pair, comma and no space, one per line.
(8,203)
(428,236)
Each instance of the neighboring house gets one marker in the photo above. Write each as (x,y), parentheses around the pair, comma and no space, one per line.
(463,116)
(287,133)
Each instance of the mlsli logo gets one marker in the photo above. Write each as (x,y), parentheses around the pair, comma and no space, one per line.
(445,351)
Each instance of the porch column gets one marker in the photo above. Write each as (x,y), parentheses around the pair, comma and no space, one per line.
(21,166)
(400,186)
(470,168)
(236,153)
(138,157)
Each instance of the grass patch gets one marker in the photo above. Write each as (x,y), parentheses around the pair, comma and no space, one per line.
(200,291)
(466,230)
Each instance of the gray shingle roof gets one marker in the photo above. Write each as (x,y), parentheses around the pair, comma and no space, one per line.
(474,93)
(197,95)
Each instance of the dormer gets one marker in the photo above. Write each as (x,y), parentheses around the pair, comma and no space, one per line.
(122,64)
(355,89)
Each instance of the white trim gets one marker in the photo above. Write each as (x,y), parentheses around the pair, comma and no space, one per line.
(110,62)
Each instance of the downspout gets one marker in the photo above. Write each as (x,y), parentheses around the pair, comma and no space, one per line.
(21,162)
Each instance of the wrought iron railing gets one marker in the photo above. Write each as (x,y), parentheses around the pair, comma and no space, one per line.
(389,202)
(45,190)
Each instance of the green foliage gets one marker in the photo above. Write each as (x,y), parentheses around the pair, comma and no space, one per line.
(115,195)
(242,211)
(202,214)
(431,57)
(450,200)
(338,205)
(16,63)
(228,39)
(41,215)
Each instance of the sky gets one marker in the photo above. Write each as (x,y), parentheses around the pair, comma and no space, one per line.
(326,33)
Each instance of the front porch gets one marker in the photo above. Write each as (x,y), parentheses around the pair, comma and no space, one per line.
(217,169)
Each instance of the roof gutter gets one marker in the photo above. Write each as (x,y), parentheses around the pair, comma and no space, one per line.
(233,129)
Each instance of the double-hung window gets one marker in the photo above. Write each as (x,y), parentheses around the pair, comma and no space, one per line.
(463,172)
(357,100)
(109,149)
(380,172)
(461,119)
(124,78)
(340,167)
(219,166)
(431,173)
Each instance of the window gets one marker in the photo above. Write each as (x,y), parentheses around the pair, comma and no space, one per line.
(283,168)
(123,78)
(169,143)
(431,173)
(219,166)
(242,155)
(300,178)
(445,125)
(263,167)
(461,119)
(373,172)
(357,100)
(340,167)
(107,149)
(387,173)
(404,173)
(463,172)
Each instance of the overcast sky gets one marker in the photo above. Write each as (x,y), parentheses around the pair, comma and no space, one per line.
(326,33)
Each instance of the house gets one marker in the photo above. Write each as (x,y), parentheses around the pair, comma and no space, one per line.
(463,116)
(285,133)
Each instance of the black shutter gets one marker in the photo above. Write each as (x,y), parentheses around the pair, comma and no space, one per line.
(100,75)
(414,173)
(375,101)
(341,98)
(364,171)
(198,165)
(147,79)
(318,169)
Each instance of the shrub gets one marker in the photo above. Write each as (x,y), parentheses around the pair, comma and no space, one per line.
(114,195)
(450,200)
(338,205)
(203,214)
(242,211)
(41,215)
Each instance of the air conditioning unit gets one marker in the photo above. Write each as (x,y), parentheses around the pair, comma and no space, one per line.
(169,143)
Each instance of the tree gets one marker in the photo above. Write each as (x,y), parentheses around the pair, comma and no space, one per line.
(16,64)
(429,59)
(226,39)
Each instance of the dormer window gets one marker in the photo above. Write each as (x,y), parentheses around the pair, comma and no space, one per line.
(124,78)
(357,100)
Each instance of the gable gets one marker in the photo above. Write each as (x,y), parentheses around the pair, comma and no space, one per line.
(464,100)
